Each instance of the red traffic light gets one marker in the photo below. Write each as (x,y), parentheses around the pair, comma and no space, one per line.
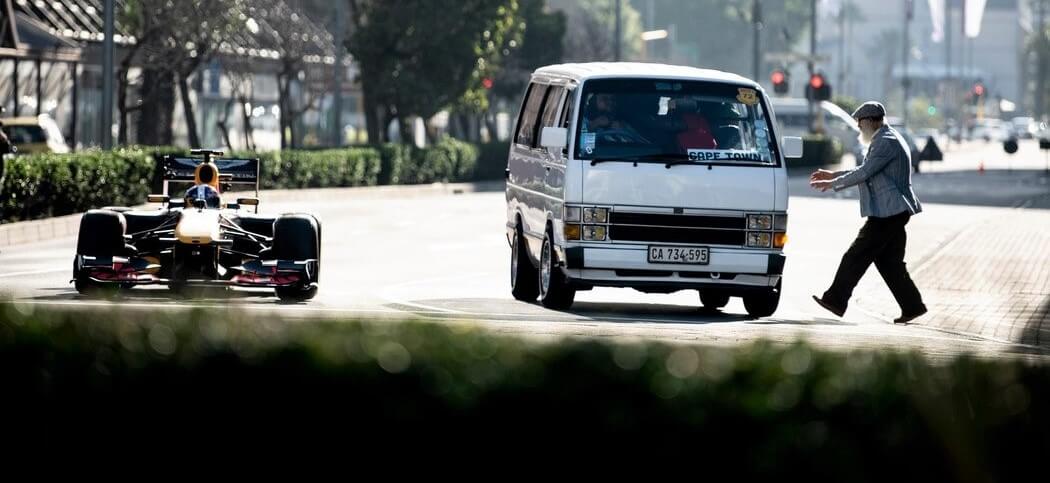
(816,81)
(777,77)
(978,90)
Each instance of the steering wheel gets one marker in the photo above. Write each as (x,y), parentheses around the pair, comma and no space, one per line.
(621,136)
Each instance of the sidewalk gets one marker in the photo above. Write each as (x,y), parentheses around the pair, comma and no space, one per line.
(991,279)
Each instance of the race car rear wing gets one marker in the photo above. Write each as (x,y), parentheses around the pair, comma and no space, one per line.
(231,171)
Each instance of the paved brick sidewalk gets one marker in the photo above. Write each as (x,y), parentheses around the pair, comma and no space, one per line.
(991,279)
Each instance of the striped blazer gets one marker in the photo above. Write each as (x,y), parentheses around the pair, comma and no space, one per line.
(884,177)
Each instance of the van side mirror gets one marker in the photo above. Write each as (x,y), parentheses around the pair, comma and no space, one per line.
(554,137)
(792,147)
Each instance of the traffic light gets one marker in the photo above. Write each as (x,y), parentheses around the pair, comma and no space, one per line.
(780,81)
(818,88)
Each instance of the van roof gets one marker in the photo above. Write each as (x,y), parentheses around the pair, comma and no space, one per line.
(596,70)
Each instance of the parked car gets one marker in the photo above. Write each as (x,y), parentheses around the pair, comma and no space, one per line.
(654,177)
(39,134)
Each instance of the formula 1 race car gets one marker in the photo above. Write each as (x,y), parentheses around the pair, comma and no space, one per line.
(200,239)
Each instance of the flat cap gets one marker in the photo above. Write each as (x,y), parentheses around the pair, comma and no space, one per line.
(869,109)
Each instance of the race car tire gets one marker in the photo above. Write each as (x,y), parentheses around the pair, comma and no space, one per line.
(296,294)
(297,237)
(101,234)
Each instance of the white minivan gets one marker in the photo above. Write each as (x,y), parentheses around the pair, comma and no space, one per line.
(655,177)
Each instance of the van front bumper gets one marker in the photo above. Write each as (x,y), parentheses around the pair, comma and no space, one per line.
(731,269)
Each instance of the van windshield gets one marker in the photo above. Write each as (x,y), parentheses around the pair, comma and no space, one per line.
(645,119)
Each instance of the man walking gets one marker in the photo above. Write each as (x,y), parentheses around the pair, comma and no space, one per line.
(887,200)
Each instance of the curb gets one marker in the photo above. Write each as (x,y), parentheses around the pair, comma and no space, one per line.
(34,231)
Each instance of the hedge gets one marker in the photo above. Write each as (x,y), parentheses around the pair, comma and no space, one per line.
(209,377)
(44,185)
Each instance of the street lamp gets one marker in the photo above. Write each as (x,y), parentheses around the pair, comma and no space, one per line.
(650,36)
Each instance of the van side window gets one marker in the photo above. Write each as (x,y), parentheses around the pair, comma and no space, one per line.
(552,107)
(566,115)
(530,113)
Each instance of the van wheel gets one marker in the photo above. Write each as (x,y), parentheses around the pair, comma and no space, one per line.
(713,299)
(555,292)
(523,283)
(763,303)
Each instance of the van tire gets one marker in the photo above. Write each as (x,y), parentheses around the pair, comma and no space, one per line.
(763,303)
(555,292)
(713,299)
(524,284)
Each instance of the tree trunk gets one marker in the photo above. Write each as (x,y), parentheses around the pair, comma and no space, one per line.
(188,113)
(431,136)
(158,105)
(372,117)
(283,86)
(122,107)
(404,128)
(223,124)
(246,119)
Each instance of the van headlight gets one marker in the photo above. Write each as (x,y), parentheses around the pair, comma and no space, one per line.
(780,222)
(759,240)
(595,215)
(759,222)
(594,232)
(572,214)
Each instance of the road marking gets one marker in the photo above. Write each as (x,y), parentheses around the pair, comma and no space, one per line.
(33,272)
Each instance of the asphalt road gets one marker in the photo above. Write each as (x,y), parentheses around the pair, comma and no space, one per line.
(445,258)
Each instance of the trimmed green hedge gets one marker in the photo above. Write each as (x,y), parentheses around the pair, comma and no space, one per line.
(44,185)
(210,377)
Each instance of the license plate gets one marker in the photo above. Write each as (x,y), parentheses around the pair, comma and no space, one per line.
(690,255)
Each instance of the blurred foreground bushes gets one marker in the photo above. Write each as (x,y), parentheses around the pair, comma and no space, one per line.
(45,185)
(212,378)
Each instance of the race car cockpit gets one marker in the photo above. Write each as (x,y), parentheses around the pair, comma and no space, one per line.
(205,187)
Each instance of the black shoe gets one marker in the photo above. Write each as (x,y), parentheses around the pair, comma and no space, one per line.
(904,319)
(830,308)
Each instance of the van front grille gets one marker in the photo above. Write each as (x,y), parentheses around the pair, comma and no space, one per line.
(686,229)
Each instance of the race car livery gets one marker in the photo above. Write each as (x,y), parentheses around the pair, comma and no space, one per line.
(200,239)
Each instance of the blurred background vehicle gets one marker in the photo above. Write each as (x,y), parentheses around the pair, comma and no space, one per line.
(793,120)
(39,134)
(990,129)
(1024,127)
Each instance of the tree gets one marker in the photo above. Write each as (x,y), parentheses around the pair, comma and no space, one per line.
(304,51)
(705,27)
(418,57)
(594,28)
(541,43)
(172,40)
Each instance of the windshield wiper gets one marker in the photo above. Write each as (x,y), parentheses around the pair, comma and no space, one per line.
(670,158)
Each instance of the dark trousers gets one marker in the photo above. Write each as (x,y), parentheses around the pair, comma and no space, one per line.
(880,241)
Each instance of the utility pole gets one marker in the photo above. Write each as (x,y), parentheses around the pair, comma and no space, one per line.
(1041,63)
(842,45)
(339,71)
(949,90)
(813,117)
(904,60)
(756,20)
(107,78)
(618,41)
